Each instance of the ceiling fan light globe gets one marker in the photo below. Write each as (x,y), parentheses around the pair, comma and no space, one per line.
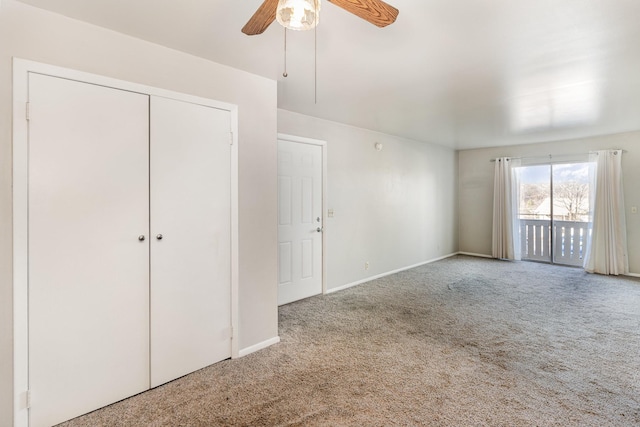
(298,15)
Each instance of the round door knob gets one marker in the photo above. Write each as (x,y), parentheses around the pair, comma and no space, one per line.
(319,229)
(159,237)
(141,237)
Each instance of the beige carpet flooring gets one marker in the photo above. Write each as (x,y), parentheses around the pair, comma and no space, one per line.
(459,342)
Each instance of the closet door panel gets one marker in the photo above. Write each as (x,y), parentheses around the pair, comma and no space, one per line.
(191,262)
(88,271)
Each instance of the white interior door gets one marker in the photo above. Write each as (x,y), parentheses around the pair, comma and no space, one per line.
(299,221)
(88,271)
(191,240)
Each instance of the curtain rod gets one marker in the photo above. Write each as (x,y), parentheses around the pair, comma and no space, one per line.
(557,155)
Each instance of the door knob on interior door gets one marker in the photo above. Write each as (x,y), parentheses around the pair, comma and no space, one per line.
(319,229)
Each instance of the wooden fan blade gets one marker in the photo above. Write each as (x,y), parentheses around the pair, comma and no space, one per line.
(261,20)
(376,12)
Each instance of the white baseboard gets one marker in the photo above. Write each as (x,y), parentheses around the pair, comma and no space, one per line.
(261,345)
(489,256)
(474,254)
(388,273)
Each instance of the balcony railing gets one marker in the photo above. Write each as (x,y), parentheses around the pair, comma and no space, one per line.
(569,245)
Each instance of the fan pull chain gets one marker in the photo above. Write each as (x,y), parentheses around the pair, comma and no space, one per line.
(285,53)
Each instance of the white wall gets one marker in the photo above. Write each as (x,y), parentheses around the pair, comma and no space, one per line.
(393,208)
(34,34)
(476,186)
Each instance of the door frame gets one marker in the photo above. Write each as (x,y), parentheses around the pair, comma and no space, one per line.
(21,70)
(323,146)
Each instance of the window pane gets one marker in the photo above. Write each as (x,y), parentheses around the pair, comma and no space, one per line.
(534,212)
(570,212)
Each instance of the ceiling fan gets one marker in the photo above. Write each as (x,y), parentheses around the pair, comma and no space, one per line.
(376,12)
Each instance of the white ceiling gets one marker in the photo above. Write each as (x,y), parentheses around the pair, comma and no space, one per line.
(460,73)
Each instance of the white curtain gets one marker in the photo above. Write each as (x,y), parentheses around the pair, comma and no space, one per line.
(607,249)
(506,226)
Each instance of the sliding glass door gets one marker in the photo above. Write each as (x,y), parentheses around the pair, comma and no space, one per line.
(534,212)
(553,212)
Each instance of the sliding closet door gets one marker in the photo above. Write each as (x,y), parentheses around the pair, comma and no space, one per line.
(88,267)
(190,238)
